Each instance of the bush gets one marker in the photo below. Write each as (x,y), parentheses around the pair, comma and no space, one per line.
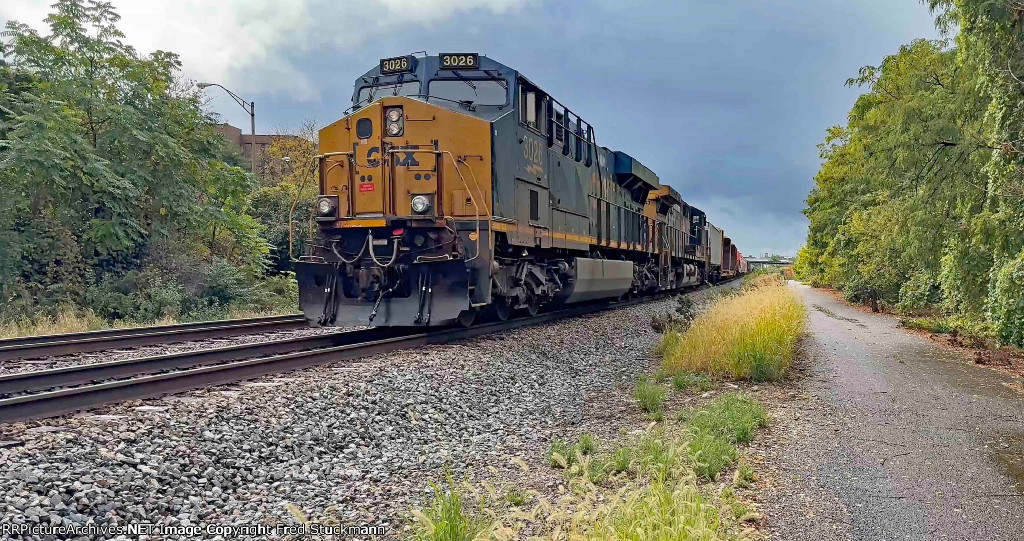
(749,336)
(225,283)
(1007,305)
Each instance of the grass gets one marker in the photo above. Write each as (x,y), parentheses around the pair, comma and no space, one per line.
(744,476)
(975,332)
(749,336)
(445,518)
(561,454)
(71,320)
(686,381)
(711,455)
(674,511)
(655,487)
(516,497)
(650,397)
(587,444)
(732,416)
(715,429)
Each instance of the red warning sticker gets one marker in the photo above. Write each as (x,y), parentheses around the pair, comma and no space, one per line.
(366,186)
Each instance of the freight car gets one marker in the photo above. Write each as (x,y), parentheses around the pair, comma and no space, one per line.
(454,185)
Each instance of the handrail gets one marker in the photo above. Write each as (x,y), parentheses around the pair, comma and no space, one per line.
(472,199)
(484,199)
(322,158)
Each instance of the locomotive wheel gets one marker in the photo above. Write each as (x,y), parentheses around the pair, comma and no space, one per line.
(532,307)
(467,317)
(500,308)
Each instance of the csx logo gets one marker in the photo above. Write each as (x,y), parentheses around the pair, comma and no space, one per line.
(409,160)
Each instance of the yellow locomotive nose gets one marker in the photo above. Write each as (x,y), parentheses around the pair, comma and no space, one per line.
(406,158)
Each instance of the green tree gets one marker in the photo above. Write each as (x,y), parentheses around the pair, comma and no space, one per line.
(920,197)
(109,164)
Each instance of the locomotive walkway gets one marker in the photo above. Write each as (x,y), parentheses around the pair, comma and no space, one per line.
(895,437)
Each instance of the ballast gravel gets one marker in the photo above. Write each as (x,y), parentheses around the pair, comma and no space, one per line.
(348,443)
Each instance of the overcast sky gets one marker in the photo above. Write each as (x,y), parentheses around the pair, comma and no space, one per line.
(724,100)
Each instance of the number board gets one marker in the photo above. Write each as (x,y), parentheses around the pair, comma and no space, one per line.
(455,61)
(398,64)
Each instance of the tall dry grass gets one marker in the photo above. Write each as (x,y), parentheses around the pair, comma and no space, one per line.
(752,335)
(69,321)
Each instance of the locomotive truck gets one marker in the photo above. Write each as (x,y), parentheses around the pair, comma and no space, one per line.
(455,186)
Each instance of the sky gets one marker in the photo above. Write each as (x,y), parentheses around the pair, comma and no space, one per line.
(726,100)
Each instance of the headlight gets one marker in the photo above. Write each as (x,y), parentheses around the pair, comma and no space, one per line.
(394,128)
(420,204)
(394,115)
(325,206)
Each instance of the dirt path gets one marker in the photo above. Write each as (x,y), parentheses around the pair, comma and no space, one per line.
(894,437)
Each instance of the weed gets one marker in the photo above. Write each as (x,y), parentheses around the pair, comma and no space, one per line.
(445,518)
(659,456)
(711,455)
(516,496)
(587,444)
(650,397)
(744,476)
(561,454)
(661,510)
(621,459)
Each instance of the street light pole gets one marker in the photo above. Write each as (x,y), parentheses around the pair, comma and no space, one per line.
(250,108)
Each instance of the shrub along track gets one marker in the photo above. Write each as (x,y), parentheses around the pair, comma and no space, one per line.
(196,369)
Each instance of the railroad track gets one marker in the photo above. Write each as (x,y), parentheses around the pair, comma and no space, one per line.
(192,370)
(63,344)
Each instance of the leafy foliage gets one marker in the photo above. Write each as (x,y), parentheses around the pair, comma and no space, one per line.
(116,193)
(919,202)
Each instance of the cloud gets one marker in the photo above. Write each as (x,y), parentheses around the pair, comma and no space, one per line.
(252,45)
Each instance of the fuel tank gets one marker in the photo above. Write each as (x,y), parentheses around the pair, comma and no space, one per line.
(597,279)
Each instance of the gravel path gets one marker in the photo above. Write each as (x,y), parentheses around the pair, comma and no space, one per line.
(891,436)
(60,361)
(350,443)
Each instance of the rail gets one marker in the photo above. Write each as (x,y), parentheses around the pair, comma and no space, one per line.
(63,344)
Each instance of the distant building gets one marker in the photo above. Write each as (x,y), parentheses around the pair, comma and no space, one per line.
(244,142)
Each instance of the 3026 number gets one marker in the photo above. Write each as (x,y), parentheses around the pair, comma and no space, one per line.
(395,64)
(452,61)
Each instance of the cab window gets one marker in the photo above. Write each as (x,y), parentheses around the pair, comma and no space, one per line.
(470,91)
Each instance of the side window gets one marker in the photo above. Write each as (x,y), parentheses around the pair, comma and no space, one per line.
(531,109)
(534,206)
(531,103)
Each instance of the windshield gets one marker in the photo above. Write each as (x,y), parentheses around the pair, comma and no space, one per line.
(368,94)
(477,91)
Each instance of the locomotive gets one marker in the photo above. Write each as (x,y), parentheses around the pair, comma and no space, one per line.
(455,186)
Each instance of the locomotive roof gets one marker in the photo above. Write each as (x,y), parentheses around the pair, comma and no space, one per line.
(424,69)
